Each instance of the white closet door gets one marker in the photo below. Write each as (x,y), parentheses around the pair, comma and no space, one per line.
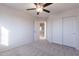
(69,31)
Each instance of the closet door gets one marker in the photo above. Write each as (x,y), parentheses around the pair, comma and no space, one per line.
(69,31)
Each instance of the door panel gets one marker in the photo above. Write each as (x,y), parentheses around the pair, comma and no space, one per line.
(69,31)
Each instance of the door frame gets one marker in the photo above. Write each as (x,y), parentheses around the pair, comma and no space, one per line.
(36,37)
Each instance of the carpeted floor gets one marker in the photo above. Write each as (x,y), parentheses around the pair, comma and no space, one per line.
(41,48)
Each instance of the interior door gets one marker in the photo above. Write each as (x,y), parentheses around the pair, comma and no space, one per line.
(69,31)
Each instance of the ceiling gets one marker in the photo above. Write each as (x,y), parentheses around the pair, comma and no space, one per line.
(54,8)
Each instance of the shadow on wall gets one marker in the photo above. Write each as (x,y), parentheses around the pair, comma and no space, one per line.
(4,36)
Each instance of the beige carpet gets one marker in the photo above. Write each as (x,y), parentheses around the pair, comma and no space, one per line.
(41,48)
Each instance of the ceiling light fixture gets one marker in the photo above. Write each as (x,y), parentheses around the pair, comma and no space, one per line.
(39,8)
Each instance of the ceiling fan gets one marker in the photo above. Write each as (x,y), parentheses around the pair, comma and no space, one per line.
(40,7)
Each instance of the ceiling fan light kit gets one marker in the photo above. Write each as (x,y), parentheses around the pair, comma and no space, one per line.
(39,8)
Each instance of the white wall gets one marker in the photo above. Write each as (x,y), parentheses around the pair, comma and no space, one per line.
(55,29)
(54,26)
(19,25)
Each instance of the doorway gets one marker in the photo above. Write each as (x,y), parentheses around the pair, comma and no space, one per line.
(40,30)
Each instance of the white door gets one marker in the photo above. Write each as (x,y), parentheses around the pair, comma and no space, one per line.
(69,31)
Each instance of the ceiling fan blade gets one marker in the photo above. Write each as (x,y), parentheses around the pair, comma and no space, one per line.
(46,10)
(37,13)
(47,4)
(31,9)
(35,3)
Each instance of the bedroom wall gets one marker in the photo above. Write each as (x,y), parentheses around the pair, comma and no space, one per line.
(54,26)
(18,24)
